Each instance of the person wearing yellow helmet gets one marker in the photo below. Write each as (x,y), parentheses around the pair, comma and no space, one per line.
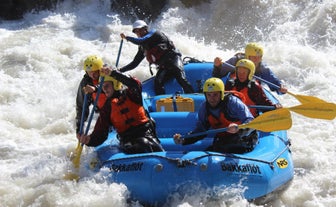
(88,85)
(124,111)
(254,52)
(252,90)
(159,50)
(223,110)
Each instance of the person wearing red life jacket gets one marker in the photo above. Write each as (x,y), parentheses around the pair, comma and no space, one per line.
(124,111)
(88,85)
(253,52)
(160,51)
(223,110)
(252,90)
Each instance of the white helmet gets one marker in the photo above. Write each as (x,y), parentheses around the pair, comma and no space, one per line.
(139,24)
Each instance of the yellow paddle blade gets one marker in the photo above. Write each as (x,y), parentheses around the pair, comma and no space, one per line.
(307,99)
(76,159)
(316,110)
(275,120)
(71,176)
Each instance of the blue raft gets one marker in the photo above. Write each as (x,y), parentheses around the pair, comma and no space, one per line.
(152,178)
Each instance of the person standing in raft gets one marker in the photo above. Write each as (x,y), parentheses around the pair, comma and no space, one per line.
(159,50)
(88,85)
(253,52)
(124,111)
(252,90)
(220,111)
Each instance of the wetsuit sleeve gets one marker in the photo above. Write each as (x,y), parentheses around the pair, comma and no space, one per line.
(266,73)
(238,110)
(225,68)
(140,40)
(134,87)
(101,129)
(259,97)
(136,61)
(80,100)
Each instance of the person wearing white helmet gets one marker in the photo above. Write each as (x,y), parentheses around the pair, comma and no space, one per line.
(254,52)
(159,50)
(124,111)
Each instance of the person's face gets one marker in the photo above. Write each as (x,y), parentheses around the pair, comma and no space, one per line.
(213,98)
(255,59)
(242,74)
(94,75)
(108,88)
(140,32)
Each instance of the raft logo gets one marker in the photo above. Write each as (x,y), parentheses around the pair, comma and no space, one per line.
(282,163)
(247,168)
(134,166)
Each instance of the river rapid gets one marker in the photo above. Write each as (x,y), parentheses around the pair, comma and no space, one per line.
(42,56)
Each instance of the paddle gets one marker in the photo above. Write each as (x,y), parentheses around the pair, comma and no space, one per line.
(312,110)
(76,159)
(279,119)
(302,98)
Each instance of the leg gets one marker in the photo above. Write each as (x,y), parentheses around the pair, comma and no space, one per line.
(177,69)
(160,79)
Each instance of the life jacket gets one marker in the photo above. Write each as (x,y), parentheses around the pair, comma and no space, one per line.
(125,114)
(154,54)
(248,101)
(102,97)
(223,120)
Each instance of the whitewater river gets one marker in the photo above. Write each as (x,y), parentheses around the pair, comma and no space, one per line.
(41,60)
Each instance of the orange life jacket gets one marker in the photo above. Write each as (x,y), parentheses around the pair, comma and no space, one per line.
(125,114)
(248,100)
(222,121)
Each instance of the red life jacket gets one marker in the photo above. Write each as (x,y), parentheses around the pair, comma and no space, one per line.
(125,114)
(154,54)
(248,101)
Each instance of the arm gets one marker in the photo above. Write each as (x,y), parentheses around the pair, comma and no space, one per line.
(80,99)
(258,95)
(134,87)
(101,129)
(265,73)
(220,69)
(140,40)
(135,62)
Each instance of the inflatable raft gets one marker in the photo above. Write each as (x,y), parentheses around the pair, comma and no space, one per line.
(152,178)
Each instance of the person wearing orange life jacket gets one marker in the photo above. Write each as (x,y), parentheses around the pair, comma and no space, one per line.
(159,50)
(252,90)
(221,110)
(253,52)
(124,111)
(88,85)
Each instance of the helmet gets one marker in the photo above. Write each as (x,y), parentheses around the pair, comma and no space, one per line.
(116,84)
(248,64)
(93,63)
(253,49)
(214,84)
(139,24)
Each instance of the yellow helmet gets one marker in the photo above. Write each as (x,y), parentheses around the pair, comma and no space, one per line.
(93,63)
(117,85)
(214,84)
(253,49)
(248,64)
